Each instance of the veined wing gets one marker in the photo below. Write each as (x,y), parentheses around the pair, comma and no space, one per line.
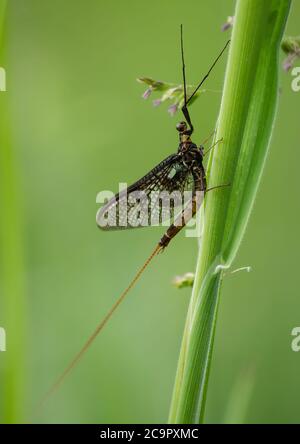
(151,200)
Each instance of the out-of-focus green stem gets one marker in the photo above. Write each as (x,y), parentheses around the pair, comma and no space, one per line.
(12,278)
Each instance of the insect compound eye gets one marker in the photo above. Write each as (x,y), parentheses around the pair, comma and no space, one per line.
(181,126)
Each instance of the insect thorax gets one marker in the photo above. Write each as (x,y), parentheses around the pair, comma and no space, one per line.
(190,153)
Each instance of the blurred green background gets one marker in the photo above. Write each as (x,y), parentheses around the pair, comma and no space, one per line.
(78,125)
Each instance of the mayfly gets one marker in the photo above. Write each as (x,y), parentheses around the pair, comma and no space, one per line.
(178,172)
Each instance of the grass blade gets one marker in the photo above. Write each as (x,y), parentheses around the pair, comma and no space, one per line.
(12,266)
(245,123)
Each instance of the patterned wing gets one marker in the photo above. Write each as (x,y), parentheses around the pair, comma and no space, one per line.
(151,200)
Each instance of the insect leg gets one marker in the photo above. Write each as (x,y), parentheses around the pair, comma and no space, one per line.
(218,186)
(207,74)
(208,138)
(213,146)
(184,108)
(186,114)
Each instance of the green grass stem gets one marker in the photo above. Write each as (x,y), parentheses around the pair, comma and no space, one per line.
(245,123)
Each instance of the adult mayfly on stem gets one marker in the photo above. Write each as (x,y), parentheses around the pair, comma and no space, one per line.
(181,174)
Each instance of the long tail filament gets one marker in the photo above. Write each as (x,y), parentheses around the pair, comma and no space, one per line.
(91,339)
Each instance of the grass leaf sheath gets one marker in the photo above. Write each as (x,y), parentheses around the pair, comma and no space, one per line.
(245,123)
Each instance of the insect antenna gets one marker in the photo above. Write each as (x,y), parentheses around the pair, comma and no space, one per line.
(96,332)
